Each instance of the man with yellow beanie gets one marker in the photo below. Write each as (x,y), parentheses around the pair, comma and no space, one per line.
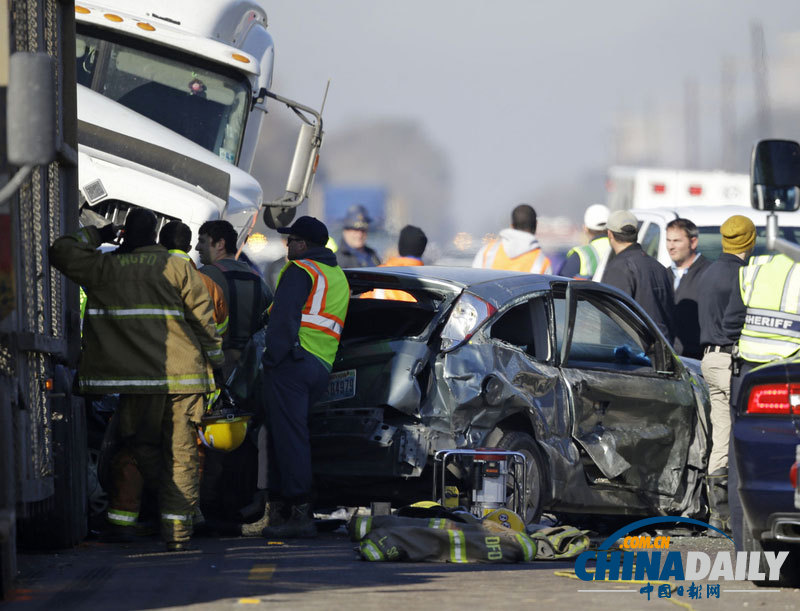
(720,281)
(769,295)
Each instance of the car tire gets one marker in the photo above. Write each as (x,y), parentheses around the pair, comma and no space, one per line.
(790,569)
(524,443)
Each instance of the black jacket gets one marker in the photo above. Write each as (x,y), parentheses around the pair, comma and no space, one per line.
(720,282)
(687,325)
(291,294)
(639,275)
(347,256)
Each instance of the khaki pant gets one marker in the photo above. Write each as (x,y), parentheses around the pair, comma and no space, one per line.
(159,440)
(717,372)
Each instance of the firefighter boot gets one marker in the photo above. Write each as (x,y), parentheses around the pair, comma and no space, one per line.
(300,525)
(718,500)
(273,516)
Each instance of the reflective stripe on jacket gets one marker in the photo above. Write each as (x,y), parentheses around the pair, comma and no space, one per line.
(590,255)
(323,314)
(148,325)
(770,289)
(532,262)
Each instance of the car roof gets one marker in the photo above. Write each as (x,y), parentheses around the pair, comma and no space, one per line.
(714,215)
(494,285)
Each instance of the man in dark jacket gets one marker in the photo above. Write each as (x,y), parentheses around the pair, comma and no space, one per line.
(720,282)
(353,251)
(302,337)
(687,267)
(636,273)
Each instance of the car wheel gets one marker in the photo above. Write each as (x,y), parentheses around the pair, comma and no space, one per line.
(534,493)
(789,576)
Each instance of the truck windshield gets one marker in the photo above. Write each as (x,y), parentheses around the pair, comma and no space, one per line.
(206,106)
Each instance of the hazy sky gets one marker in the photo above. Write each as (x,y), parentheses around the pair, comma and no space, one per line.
(518,93)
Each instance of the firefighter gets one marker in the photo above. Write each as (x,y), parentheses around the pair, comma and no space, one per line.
(517,248)
(766,308)
(149,335)
(176,237)
(582,261)
(302,338)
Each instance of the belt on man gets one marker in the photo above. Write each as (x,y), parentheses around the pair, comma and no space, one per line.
(728,349)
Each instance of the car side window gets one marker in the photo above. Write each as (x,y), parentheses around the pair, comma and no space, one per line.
(524,326)
(600,339)
(515,327)
(651,240)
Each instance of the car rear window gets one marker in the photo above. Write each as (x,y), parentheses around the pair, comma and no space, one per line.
(384,319)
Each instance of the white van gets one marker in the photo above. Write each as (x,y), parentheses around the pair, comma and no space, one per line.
(631,187)
(653,229)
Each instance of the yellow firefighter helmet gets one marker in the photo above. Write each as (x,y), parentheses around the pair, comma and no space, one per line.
(223,433)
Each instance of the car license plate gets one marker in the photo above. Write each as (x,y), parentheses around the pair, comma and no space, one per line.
(341,385)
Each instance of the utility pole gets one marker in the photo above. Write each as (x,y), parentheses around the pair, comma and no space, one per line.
(759,53)
(691,124)
(728,115)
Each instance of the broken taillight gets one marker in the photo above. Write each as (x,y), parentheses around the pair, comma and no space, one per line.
(776,399)
(468,314)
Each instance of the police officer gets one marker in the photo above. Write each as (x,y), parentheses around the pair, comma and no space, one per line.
(149,335)
(768,305)
(353,251)
(302,338)
(719,281)
(582,261)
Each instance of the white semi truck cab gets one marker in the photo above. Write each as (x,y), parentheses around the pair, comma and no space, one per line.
(171,99)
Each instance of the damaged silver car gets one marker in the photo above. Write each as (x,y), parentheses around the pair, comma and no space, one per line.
(573,374)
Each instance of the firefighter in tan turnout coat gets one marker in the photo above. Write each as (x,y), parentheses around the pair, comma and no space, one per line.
(148,335)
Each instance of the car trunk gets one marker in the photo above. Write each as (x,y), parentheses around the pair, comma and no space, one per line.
(380,379)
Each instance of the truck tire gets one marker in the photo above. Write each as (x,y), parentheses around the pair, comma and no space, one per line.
(524,443)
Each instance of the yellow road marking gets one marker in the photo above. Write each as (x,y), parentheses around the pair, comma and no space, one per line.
(249,601)
(261,572)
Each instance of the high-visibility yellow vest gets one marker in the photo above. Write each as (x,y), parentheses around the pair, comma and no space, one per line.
(531,262)
(770,289)
(323,315)
(590,255)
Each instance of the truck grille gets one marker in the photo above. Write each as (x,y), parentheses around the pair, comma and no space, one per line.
(117,211)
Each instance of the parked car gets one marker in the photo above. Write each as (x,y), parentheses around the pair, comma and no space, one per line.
(653,229)
(571,373)
(766,435)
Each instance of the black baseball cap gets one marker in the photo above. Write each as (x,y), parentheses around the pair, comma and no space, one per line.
(308,228)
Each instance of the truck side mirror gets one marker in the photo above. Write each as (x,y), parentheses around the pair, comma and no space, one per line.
(31,110)
(775,175)
(279,213)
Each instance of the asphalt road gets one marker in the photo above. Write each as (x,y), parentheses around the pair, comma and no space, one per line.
(325,573)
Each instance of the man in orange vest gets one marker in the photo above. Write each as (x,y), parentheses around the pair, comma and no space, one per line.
(517,248)
(410,246)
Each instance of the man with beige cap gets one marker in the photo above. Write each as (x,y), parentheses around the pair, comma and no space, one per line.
(719,281)
(582,261)
(638,274)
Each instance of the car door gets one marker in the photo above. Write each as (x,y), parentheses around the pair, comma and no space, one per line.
(632,402)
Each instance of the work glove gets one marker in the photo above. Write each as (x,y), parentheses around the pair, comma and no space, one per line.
(108,233)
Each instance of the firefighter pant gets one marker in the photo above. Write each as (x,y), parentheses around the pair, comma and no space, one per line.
(159,440)
(716,367)
(290,389)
